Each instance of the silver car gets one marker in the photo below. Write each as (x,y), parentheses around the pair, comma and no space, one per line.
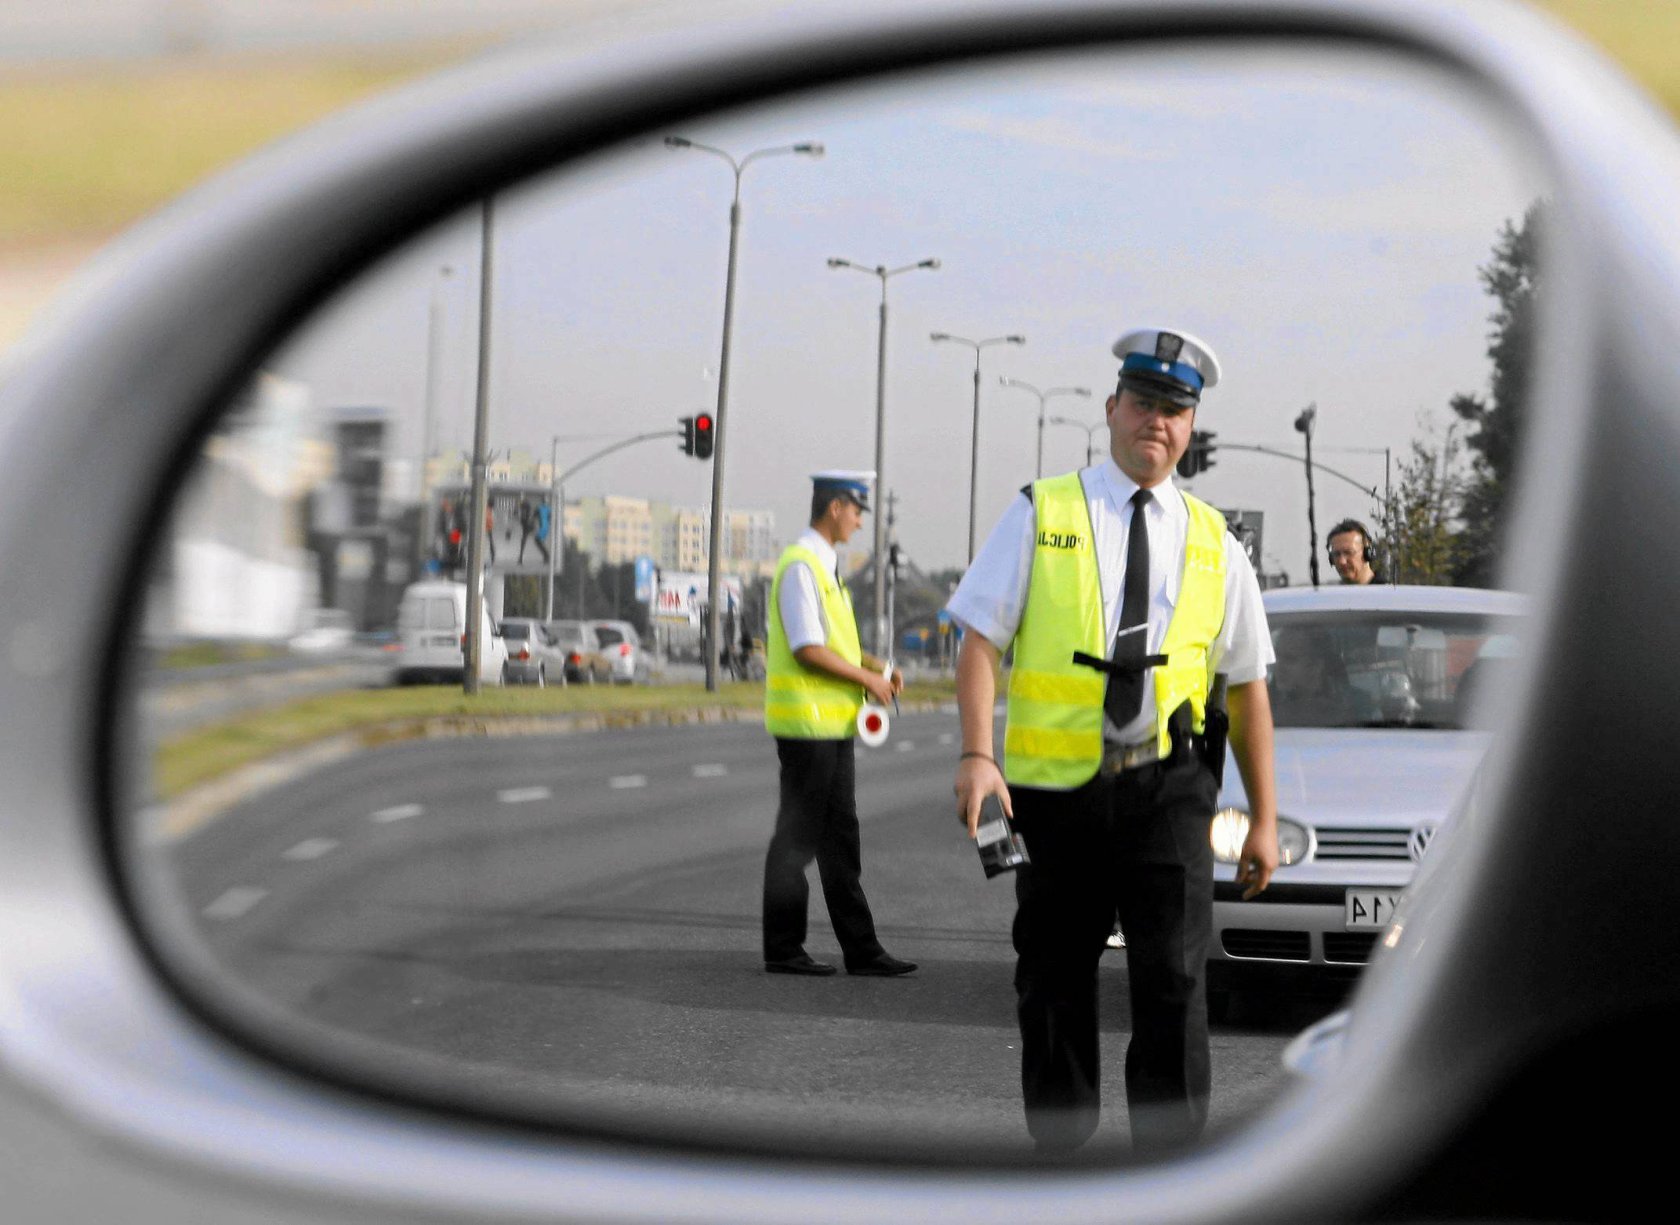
(1371,698)
(622,647)
(533,656)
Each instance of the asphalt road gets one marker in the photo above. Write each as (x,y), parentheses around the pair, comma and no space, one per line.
(571,924)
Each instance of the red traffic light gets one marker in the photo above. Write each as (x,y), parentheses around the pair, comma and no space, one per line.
(703,436)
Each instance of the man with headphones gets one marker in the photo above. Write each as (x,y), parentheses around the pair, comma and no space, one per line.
(1350,553)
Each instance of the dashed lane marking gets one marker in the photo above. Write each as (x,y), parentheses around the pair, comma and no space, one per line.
(235,902)
(625,782)
(947,738)
(311,848)
(714,770)
(906,746)
(523,795)
(398,812)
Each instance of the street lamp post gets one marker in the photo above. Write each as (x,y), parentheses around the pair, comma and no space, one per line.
(1084,392)
(556,512)
(1090,434)
(974,444)
(480,460)
(713,572)
(884,273)
(1304,426)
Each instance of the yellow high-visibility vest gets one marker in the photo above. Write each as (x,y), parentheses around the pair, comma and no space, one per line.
(1053,737)
(803,703)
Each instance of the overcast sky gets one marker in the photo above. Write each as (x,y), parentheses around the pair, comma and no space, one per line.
(1317,218)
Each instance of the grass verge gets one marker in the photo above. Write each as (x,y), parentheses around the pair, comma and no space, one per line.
(197,757)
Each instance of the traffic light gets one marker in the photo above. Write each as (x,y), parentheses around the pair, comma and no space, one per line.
(703,436)
(1204,449)
(687,424)
(1198,456)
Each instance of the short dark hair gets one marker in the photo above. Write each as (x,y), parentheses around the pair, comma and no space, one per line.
(1351,525)
(820,499)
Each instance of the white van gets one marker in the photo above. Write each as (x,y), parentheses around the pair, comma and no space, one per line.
(431,622)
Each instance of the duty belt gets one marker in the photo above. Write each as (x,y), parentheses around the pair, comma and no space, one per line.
(1118,758)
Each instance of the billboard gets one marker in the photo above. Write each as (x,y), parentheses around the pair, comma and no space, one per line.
(681,596)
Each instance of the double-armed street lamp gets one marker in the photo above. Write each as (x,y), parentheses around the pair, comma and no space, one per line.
(715,546)
(974,445)
(1090,434)
(882,646)
(1084,392)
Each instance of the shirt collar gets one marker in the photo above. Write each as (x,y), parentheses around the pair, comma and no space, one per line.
(1121,488)
(813,540)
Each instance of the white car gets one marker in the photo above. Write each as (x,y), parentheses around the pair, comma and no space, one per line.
(622,647)
(1371,698)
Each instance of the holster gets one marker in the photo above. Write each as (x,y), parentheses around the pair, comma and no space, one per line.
(1216,728)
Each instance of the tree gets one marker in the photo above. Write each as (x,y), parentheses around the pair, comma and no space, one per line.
(1423,541)
(1496,422)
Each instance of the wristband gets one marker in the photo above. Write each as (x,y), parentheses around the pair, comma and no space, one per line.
(980,755)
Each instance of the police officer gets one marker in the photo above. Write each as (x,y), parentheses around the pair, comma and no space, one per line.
(1123,598)
(816,678)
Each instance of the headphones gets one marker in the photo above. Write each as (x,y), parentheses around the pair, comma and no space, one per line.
(1350,525)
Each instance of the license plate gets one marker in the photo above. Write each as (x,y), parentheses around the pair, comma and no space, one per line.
(447,640)
(1370,909)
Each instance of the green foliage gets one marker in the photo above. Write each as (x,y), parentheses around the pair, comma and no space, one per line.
(1495,422)
(1422,537)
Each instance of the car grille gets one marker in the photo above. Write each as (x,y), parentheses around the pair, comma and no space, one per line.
(1363,844)
(1267,945)
(1353,948)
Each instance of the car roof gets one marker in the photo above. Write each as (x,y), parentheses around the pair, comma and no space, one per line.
(1385,597)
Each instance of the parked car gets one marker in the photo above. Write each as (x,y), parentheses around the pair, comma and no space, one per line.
(622,647)
(1371,699)
(581,648)
(533,656)
(323,630)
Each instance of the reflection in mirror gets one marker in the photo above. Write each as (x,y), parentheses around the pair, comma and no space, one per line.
(543,900)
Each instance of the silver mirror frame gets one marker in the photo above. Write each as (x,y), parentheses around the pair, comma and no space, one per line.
(104,402)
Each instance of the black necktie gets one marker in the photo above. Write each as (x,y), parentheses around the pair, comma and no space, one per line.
(1124,697)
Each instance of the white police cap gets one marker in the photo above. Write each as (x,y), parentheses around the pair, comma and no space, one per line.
(844,482)
(1166,364)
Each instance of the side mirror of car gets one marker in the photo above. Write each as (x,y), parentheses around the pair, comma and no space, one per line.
(1459,1036)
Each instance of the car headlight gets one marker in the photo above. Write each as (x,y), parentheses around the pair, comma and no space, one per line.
(1230,828)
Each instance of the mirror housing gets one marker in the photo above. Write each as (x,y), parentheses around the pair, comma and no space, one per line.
(1454,1037)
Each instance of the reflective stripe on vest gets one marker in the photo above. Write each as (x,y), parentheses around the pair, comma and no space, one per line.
(1053,737)
(803,703)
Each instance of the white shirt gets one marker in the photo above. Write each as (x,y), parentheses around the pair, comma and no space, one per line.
(993,594)
(800,602)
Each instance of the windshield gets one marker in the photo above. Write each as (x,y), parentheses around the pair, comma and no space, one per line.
(569,635)
(1383,669)
(608,635)
(516,629)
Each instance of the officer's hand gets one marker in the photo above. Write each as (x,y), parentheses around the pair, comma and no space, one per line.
(897,682)
(1258,861)
(878,688)
(978,777)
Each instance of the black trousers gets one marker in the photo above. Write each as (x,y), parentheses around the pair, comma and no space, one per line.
(1135,845)
(817,819)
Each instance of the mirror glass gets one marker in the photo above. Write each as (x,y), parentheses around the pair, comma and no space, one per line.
(542,899)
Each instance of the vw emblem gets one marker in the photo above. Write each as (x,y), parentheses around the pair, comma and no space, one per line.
(1420,840)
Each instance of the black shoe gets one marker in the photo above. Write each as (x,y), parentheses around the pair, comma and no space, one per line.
(802,963)
(883,965)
